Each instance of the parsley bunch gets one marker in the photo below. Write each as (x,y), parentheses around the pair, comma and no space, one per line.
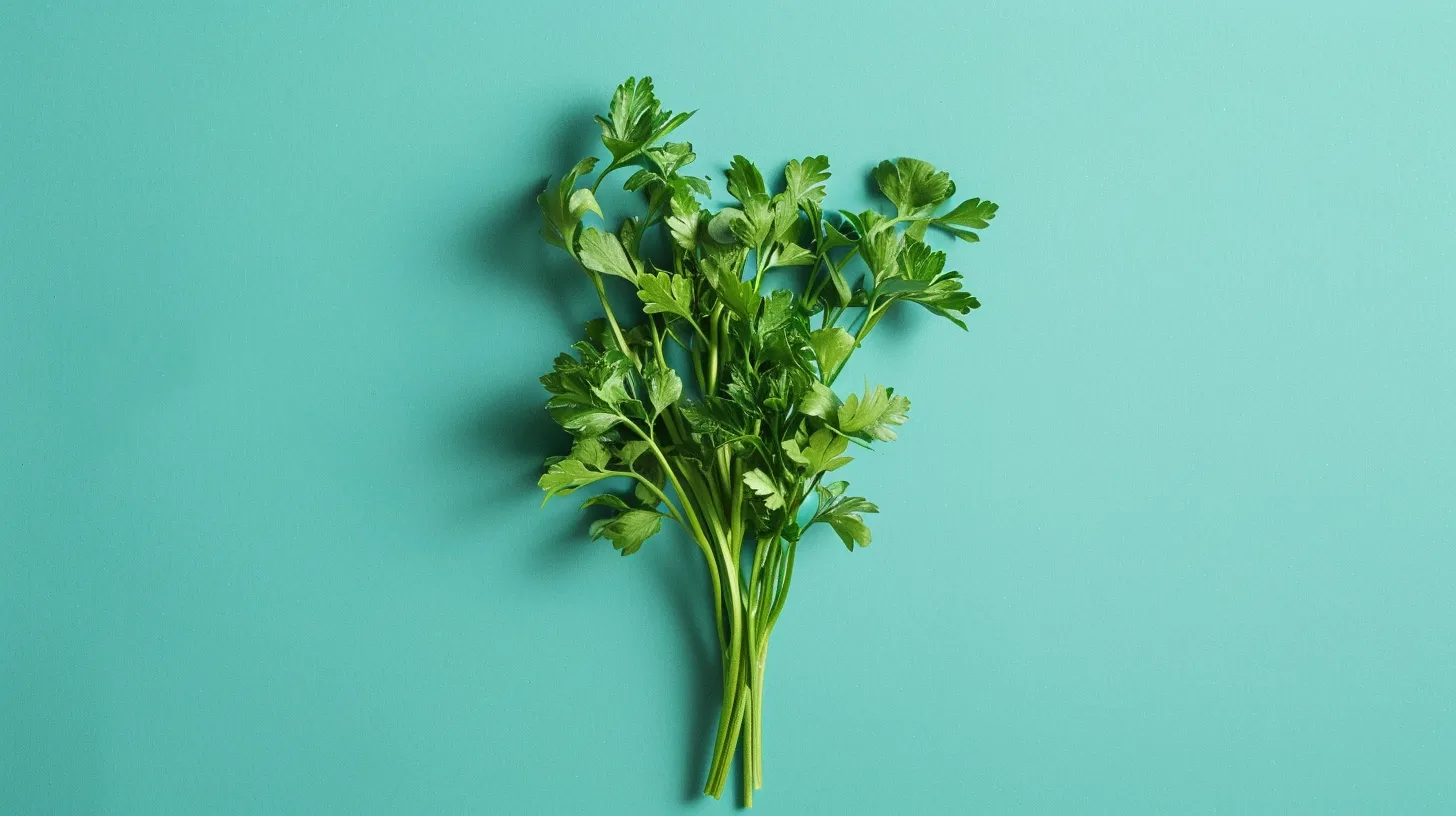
(717,406)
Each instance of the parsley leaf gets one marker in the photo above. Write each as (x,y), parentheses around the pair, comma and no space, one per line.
(805,179)
(913,186)
(564,207)
(973,213)
(744,180)
(832,346)
(636,119)
(602,252)
(627,531)
(664,387)
(824,452)
(923,280)
(566,476)
(819,401)
(762,484)
(874,413)
(666,294)
(843,514)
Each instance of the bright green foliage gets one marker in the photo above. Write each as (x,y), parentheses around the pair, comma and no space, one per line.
(666,294)
(716,404)
(842,514)
(628,529)
(805,179)
(603,253)
(913,186)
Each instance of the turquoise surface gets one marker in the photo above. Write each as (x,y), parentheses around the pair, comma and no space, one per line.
(1172,530)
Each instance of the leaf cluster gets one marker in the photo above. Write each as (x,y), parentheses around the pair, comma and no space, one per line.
(758,423)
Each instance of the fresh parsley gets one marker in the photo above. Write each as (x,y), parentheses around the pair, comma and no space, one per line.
(733,443)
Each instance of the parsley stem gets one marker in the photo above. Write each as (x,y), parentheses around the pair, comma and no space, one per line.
(596,280)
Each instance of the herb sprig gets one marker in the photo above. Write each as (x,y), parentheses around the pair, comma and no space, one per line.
(737,449)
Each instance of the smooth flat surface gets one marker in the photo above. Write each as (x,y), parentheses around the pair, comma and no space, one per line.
(1172,529)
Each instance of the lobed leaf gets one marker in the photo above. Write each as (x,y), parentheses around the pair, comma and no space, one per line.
(602,252)
(628,530)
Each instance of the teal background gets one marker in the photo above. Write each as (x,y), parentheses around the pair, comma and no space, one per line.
(1170,531)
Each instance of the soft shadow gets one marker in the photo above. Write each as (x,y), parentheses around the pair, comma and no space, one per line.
(502,240)
(506,436)
(515,462)
(513,434)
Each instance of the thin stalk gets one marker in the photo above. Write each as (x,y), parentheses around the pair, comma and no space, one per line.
(773,616)
(871,318)
(756,713)
(596,280)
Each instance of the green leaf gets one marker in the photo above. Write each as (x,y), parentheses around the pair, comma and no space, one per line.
(562,208)
(583,202)
(602,252)
(918,262)
(823,452)
(923,280)
(651,470)
(641,179)
(666,294)
(589,451)
(628,530)
(722,272)
(589,422)
(880,251)
(791,450)
(832,346)
(895,414)
(805,179)
(965,235)
(851,528)
(913,186)
(778,310)
(873,414)
(835,238)
(684,229)
(819,401)
(791,255)
(760,483)
(858,413)
(605,500)
(566,476)
(629,235)
(828,493)
(720,226)
(785,226)
(630,451)
(898,286)
(664,387)
(841,286)
(744,180)
(671,157)
(613,390)
(973,213)
(842,513)
(636,119)
(757,222)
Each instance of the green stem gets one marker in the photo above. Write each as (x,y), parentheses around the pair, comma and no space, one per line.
(756,715)
(735,705)
(783,593)
(873,317)
(596,280)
